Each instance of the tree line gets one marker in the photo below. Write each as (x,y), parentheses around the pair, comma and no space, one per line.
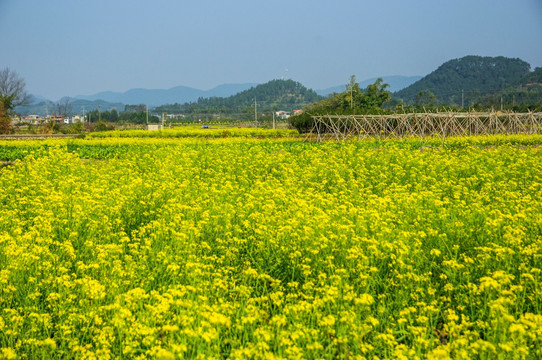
(113,116)
(353,100)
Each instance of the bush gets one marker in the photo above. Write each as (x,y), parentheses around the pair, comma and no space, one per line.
(75,128)
(102,126)
(50,127)
(301,122)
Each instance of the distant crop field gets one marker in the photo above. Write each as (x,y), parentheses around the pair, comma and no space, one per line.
(243,248)
(199,132)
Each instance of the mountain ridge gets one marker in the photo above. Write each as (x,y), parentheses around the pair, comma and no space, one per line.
(176,94)
(182,94)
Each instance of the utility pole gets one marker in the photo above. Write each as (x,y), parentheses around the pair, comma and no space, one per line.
(255,113)
(147,115)
(462,98)
(83,114)
(99,112)
(273,119)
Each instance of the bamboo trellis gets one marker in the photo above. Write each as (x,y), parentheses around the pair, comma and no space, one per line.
(344,127)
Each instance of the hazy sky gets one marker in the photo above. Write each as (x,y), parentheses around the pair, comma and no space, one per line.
(77,47)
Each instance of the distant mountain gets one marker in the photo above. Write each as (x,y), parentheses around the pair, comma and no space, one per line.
(396,82)
(185,94)
(34,99)
(156,97)
(272,96)
(468,79)
(42,107)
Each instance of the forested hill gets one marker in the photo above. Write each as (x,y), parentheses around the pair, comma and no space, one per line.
(271,96)
(473,77)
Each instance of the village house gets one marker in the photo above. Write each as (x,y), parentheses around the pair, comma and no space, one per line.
(283,115)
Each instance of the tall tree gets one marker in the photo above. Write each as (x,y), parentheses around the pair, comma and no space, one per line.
(12,93)
(353,93)
(65,106)
(12,90)
(426,98)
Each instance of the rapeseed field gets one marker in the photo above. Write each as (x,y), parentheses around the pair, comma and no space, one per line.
(271,248)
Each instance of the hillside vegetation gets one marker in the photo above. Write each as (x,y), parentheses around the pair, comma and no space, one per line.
(522,95)
(468,80)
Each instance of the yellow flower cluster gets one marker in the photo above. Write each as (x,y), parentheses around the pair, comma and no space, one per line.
(270,248)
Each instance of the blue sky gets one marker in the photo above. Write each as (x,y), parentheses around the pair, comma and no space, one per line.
(76,47)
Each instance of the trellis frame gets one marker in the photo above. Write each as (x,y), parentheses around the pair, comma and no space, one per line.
(445,124)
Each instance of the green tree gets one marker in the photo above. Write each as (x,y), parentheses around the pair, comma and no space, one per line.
(92,116)
(113,116)
(376,95)
(302,122)
(426,98)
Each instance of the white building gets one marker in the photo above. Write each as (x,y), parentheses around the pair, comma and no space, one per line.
(283,115)
(73,119)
